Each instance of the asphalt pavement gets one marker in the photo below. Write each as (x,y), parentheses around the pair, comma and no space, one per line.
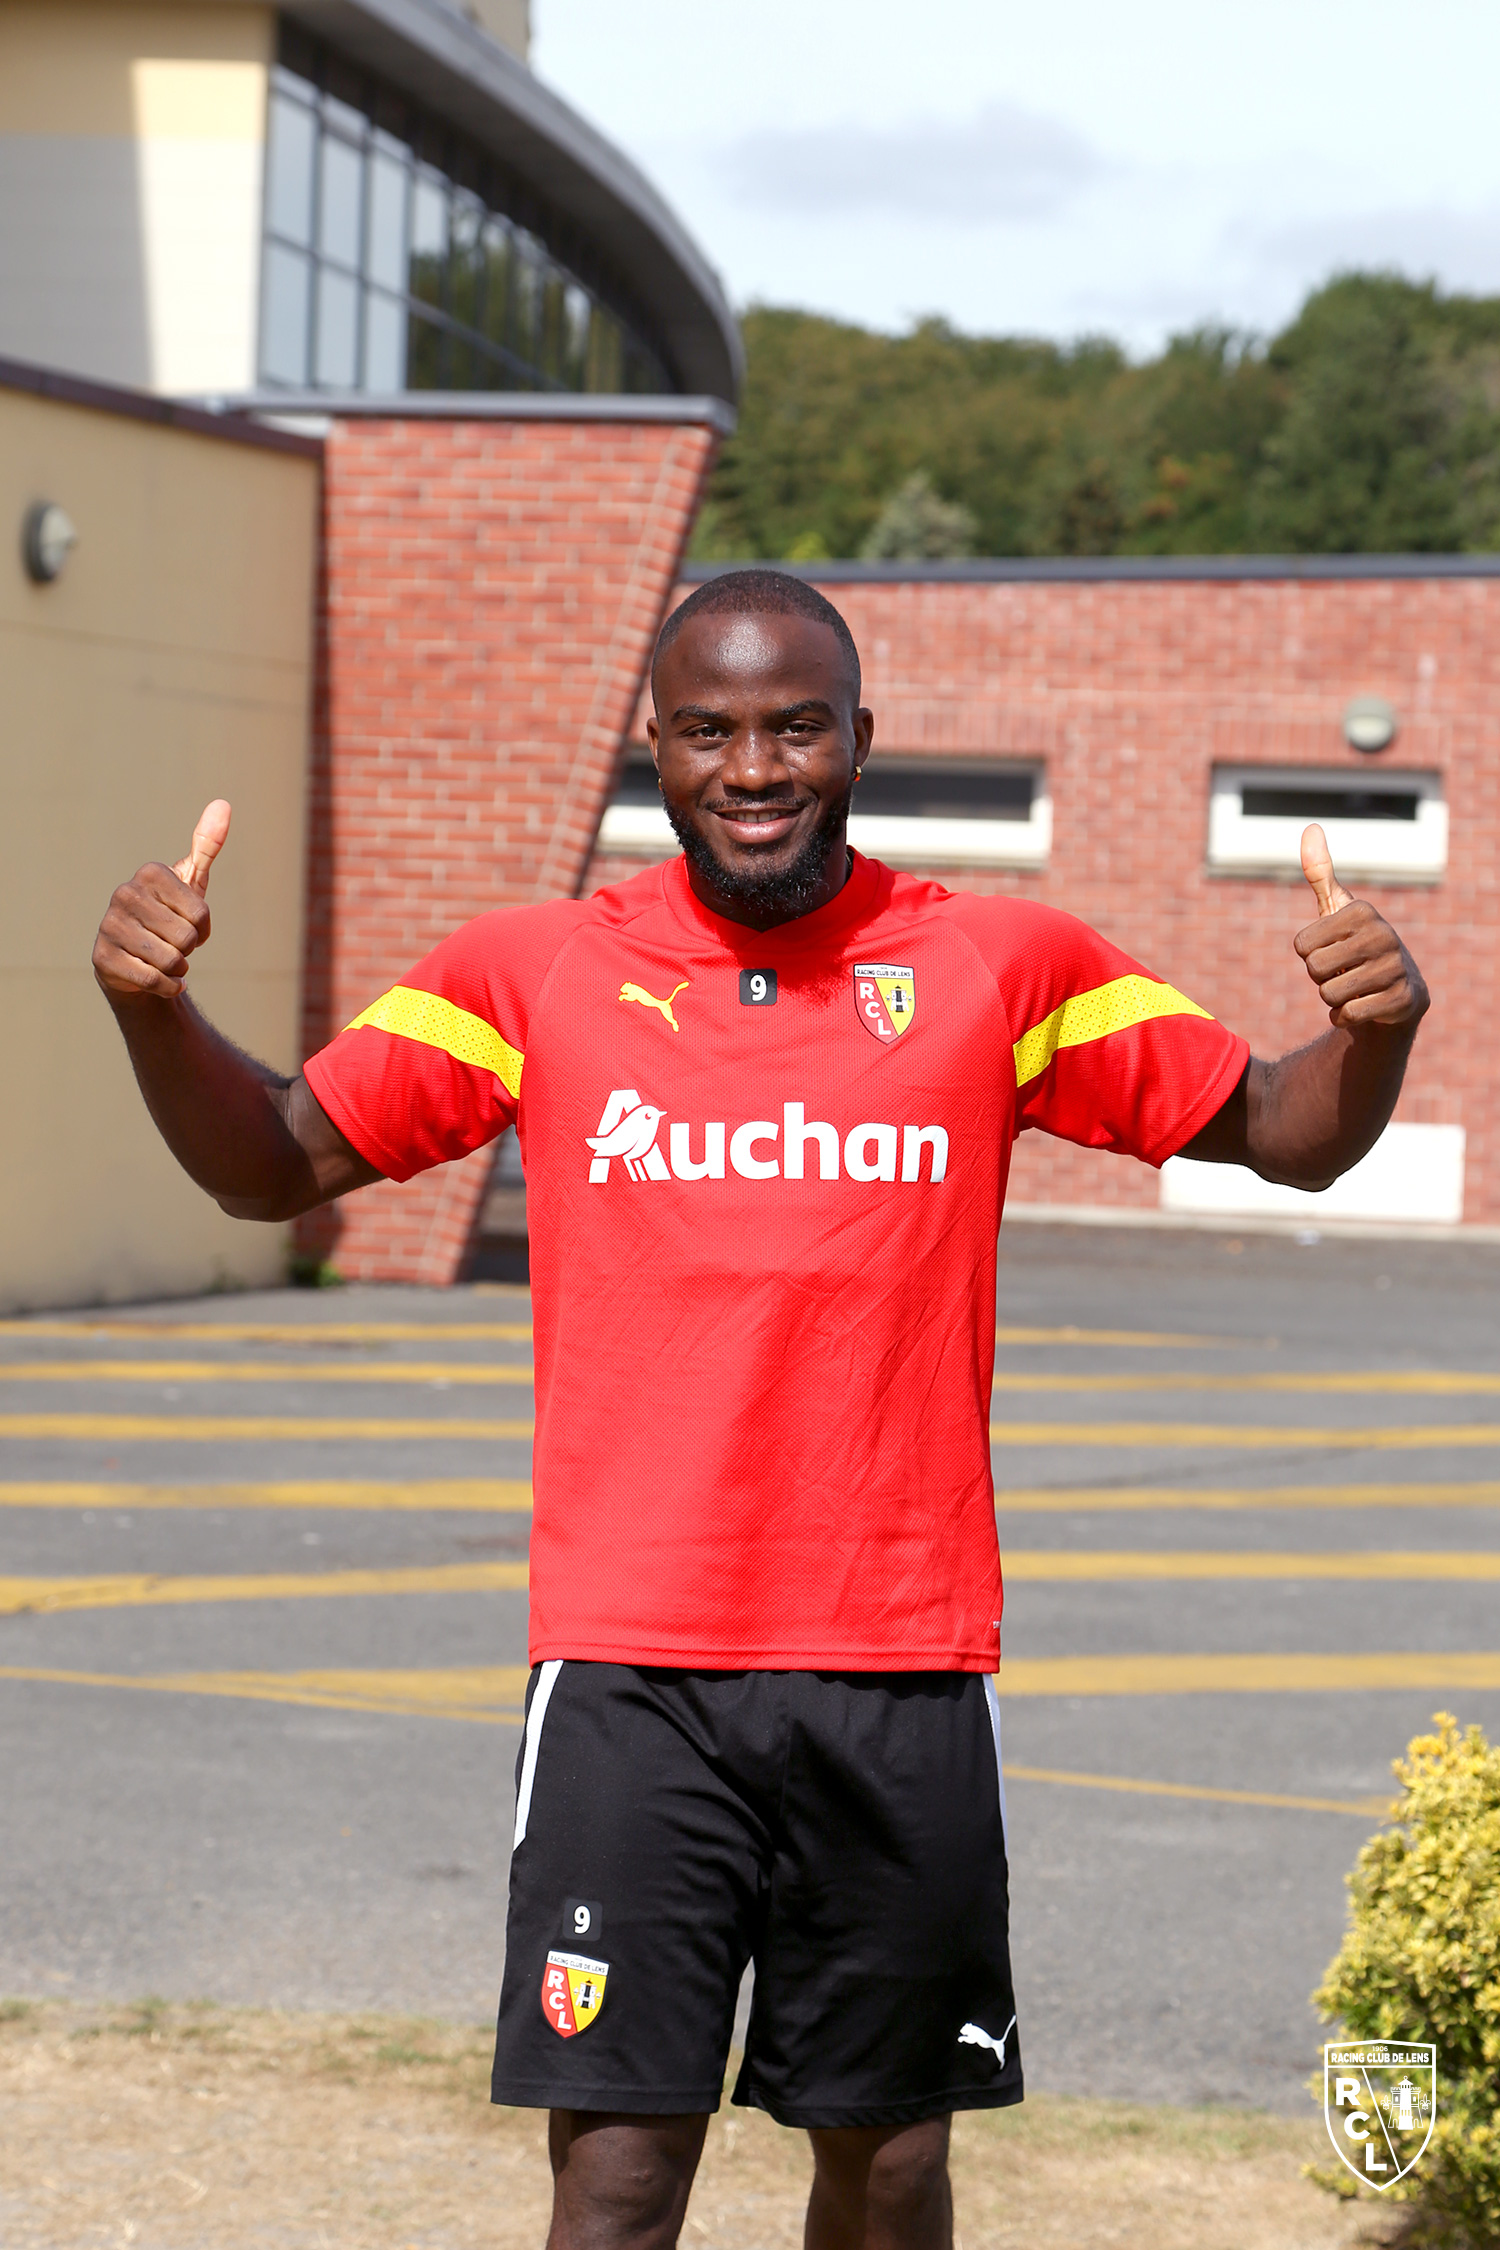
(263,1633)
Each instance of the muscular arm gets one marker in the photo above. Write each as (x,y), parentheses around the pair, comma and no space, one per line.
(1306,1118)
(258,1142)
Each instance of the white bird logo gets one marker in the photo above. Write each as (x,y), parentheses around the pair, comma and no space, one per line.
(631,1139)
(973,2036)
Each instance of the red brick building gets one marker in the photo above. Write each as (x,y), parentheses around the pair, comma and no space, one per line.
(494,577)
(1134,695)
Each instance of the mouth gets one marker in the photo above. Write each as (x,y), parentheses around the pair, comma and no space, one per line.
(756,825)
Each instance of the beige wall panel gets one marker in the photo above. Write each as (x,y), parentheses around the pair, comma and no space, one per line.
(72,262)
(131,154)
(170,663)
(509,21)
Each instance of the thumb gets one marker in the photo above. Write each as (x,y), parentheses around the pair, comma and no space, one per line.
(1317,866)
(208,841)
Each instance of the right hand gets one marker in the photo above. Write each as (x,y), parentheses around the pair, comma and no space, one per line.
(159,917)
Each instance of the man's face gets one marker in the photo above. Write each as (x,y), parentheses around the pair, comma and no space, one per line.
(756,738)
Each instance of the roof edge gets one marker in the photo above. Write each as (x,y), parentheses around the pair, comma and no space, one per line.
(460,71)
(1105,569)
(471,406)
(142,406)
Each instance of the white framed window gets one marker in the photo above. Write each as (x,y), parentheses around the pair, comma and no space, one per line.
(1378,824)
(909,811)
(1413,1173)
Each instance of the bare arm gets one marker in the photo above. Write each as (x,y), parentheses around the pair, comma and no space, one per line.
(1306,1118)
(258,1142)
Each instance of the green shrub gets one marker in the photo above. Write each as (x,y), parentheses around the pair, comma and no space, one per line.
(1421,1961)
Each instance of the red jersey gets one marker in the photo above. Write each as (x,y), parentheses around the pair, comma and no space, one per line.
(764,1174)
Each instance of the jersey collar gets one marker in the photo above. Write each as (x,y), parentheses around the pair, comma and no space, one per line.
(823,931)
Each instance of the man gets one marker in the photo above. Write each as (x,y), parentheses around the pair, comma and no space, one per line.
(766,1096)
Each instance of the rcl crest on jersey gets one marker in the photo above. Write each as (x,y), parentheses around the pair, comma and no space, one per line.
(572,1991)
(885,998)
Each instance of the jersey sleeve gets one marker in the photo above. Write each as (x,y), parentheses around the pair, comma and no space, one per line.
(1106,1054)
(433,1068)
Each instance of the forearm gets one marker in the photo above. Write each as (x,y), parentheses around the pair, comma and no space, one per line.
(1304,1119)
(1314,1113)
(224,1116)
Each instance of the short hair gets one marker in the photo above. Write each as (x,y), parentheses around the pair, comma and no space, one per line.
(757,593)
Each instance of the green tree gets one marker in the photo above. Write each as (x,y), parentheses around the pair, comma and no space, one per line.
(1371,422)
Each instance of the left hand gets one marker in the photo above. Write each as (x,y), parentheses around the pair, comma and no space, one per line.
(1363,972)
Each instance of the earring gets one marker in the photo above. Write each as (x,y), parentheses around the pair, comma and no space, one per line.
(858,771)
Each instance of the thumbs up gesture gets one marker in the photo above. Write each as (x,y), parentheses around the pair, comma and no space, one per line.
(159,917)
(1363,972)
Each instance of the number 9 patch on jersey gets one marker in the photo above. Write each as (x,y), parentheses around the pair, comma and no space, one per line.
(572,1991)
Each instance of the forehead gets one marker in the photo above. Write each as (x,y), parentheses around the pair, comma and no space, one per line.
(747,653)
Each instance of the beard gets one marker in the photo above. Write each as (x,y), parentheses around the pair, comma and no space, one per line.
(784,891)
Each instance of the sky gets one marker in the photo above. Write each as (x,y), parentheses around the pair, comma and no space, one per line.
(1059,168)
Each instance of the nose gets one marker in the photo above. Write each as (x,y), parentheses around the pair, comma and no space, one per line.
(755,762)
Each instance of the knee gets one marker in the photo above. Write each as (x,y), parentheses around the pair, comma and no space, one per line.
(890,2176)
(618,2185)
(909,2172)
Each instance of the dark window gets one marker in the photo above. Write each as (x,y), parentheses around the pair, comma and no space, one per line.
(895,788)
(1329,804)
(401,256)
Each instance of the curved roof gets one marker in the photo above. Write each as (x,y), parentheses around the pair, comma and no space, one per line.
(440,58)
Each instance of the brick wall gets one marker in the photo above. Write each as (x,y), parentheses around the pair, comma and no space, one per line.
(491,590)
(1130,693)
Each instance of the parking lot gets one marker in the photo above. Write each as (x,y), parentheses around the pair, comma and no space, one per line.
(263,1633)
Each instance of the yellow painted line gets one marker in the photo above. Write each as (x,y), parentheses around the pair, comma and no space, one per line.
(489,1695)
(1364,1382)
(461,1373)
(1366,1808)
(1365,1437)
(124,1427)
(468,1495)
(1112,1499)
(1045,1564)
(1144,1339)
(494,1694)
(280,1332)
(148,1591)
(1245,1675)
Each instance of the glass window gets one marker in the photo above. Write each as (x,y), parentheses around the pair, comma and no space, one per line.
(385,343)
(283,316)
(386,256)
(289,173)
(394,257)
(338,330)
(340,193)
(429,238)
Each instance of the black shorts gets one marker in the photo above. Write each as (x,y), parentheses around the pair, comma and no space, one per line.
(845,1831)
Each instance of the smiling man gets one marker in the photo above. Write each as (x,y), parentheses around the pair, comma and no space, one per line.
(767,1096)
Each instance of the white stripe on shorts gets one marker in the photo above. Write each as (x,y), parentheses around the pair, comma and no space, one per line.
(993,1700)
(534,1717)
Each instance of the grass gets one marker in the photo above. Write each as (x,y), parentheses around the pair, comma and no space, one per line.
(159,2126)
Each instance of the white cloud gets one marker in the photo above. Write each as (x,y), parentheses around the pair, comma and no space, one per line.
(1004,163)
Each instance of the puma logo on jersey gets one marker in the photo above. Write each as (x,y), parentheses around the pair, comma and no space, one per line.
(973,2036)
(805,1147)
(649,1000)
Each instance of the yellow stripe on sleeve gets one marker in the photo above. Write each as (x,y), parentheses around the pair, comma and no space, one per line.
(1094,1015)
(437,1023)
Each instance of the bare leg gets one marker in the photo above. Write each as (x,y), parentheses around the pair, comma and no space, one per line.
(881,2187)
(620,2183)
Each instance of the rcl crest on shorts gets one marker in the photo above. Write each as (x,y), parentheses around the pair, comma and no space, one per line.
(885,999)
(1380,2102)
(572,1991)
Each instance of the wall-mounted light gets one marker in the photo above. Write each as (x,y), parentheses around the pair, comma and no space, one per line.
(1369,723)
(48,537)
